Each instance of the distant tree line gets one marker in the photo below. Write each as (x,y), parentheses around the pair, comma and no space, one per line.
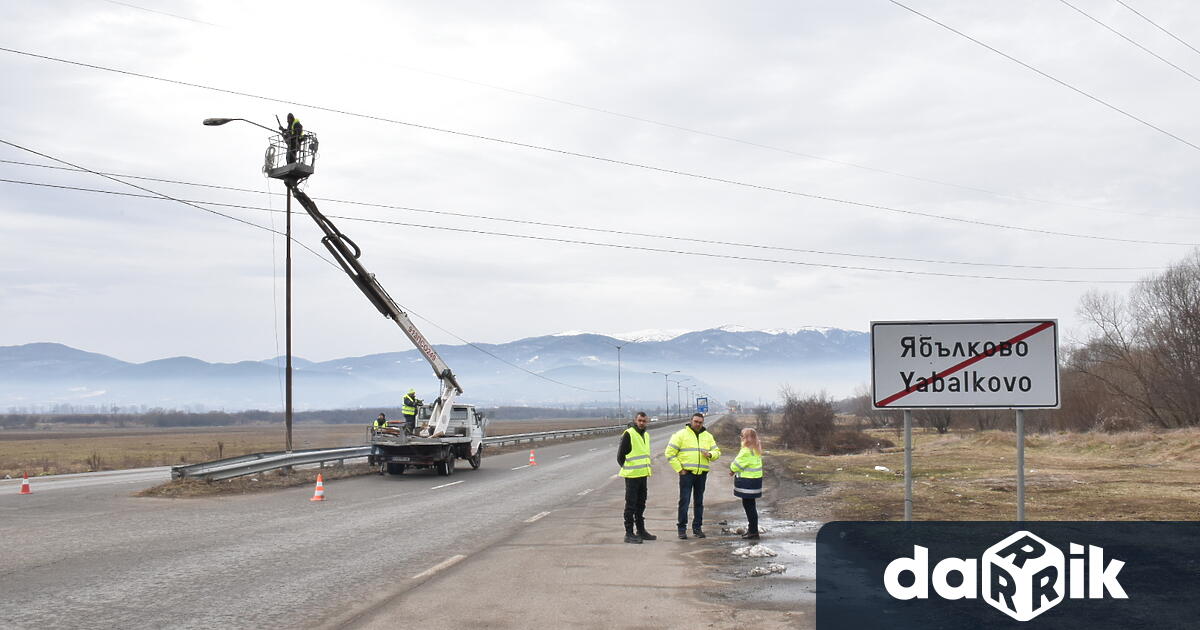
(176,418)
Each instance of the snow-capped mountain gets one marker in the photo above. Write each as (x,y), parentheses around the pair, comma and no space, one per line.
(563,368)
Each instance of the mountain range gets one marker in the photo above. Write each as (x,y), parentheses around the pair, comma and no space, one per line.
(571,368)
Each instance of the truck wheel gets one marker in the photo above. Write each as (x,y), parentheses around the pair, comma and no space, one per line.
(442,468)
(394,468)
(476,460)
(450,464)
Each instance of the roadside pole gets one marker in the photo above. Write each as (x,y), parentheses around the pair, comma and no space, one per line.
(1020,464)
(907,465)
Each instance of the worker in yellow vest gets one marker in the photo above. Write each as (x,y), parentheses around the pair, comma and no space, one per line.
(747,473)
(381,422)
(689,452)
(633,455)
(409,410)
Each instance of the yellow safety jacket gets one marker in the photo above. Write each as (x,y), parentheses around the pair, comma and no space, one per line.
(380,424)
(410,405)
(686,449)
(637,461)
(747,464)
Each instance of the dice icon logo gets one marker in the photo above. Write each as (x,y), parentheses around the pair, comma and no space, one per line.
(1023,576)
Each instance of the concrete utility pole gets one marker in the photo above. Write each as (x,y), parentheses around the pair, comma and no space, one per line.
(287,327)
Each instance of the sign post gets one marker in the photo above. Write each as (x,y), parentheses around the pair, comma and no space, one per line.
(979,364)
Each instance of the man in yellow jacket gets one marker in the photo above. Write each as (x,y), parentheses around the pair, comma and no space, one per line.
(689,452)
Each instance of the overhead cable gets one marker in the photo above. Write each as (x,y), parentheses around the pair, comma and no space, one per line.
(1157,26)
(586,156)
(1130,40)
(1048,76)
(672,237)
(160,196)
(621,245)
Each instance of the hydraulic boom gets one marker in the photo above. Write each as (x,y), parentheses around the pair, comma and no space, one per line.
(347,253)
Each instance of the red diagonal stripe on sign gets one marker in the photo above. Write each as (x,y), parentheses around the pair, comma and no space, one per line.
(969,362)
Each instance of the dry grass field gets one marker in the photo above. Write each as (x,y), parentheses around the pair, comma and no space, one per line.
(972,476)
(89,448)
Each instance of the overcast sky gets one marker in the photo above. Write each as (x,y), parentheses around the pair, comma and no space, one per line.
(860,101)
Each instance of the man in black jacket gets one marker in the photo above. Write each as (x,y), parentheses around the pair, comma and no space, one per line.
(633,455)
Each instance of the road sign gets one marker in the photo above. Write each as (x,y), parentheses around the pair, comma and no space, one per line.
(702,405)
(966,364)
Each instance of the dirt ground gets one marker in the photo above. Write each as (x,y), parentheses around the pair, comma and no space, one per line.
(972,476)
(89,448)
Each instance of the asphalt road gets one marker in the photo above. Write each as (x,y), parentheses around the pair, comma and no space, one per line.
(83,553)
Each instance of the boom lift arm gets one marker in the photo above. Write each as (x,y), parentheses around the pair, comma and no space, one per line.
(346,253)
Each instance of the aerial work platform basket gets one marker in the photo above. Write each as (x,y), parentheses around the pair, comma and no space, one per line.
(290,156)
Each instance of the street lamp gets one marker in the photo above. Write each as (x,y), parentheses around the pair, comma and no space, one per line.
(620,402)
(287,401)
(666,390)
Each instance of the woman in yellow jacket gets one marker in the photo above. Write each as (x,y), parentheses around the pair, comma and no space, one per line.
(747,471)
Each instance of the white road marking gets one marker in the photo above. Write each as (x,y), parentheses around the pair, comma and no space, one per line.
(520,467)
(448,484)
(591,449)
(615,476)
(564,457)
(444,564)
(584,492)
(536,517)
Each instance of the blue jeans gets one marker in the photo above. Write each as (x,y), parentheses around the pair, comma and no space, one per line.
(691,488)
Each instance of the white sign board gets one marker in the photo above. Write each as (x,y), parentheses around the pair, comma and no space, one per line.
(967,364)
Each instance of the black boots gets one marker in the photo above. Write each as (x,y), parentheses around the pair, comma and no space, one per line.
(630,538)
(645,535)
(698,533)
(682,534)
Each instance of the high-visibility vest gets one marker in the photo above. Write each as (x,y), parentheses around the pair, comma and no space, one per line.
(747,464)
(686,449)
(410,405)
(637,461)
(380,423)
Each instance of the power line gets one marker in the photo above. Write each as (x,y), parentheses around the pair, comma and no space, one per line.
(649,235)
(606,160)
(1156,25)
(759,145)
(1128,39)
(181,17)
(155,195)
(625,246)
(1052,78)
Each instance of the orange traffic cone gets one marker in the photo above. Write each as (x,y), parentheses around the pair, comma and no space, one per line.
(532,461)
(25,484)
(319,495)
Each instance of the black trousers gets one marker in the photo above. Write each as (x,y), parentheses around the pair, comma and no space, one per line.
(635,503)
(410,422)
(751,514)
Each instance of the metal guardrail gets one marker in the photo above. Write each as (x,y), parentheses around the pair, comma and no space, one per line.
(259,462)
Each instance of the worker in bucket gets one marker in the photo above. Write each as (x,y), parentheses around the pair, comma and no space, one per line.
(409,409)
(380,422)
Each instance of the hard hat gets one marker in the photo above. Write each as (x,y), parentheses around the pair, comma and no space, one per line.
(412,391)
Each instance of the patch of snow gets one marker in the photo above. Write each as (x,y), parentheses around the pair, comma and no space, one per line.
(535,358)
(754,551)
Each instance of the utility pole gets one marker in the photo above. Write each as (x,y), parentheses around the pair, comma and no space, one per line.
(287,402)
